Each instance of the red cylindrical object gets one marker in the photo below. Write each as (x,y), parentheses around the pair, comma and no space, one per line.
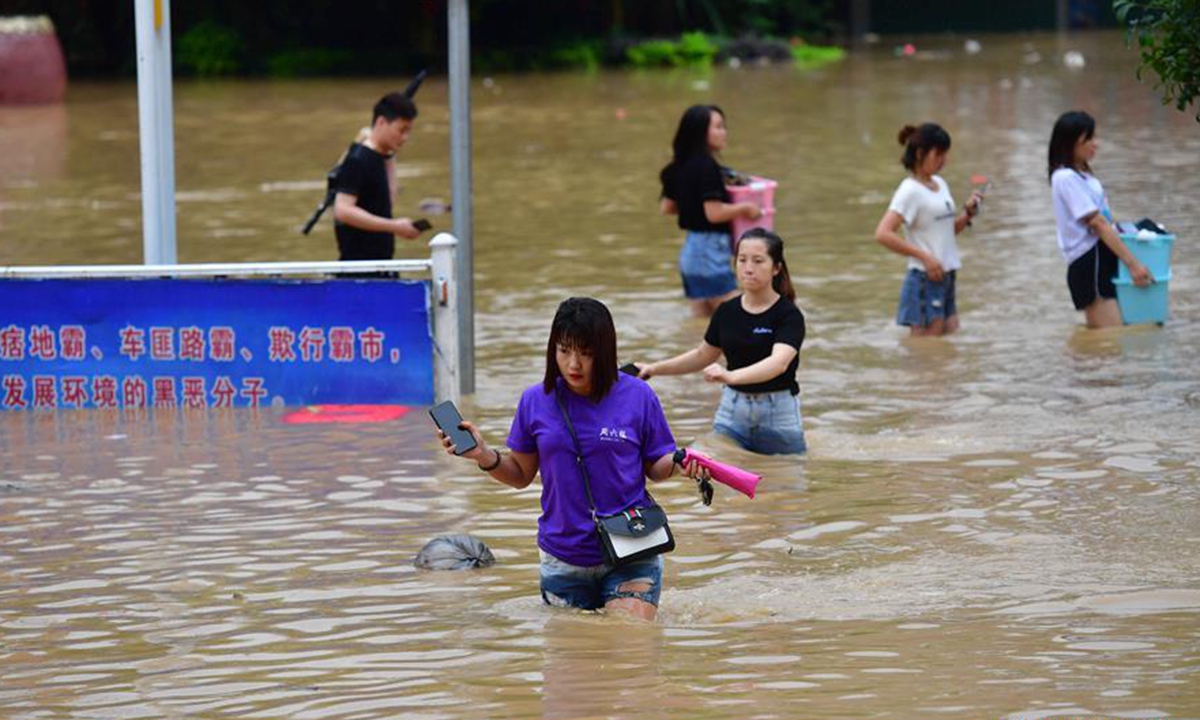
(32,68)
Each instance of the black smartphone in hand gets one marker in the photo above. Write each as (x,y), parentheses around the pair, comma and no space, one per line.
(630,369)
(422,225)
(448,420)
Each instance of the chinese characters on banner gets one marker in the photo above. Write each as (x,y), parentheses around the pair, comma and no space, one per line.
(212,343)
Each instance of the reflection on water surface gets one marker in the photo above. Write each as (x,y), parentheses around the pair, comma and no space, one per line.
(1001,524)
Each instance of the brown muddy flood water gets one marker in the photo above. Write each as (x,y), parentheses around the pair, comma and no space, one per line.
(1003,524)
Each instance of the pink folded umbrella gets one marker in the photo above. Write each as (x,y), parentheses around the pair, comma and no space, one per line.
(741,480)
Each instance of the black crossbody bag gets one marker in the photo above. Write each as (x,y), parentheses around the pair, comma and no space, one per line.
(637,533)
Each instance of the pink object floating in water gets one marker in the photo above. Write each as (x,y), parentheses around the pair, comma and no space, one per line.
(346,414)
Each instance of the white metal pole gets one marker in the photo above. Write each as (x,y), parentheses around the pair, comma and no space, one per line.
(444,310)
(156,130)
(459,21)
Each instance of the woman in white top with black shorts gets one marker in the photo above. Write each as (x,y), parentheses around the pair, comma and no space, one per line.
(1086,237)
(924,206)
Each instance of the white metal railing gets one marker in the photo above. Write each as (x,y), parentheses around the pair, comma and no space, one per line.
(440,267)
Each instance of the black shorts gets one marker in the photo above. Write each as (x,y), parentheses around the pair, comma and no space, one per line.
(1090,277)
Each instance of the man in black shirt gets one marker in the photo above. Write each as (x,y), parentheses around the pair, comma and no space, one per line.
(362,209)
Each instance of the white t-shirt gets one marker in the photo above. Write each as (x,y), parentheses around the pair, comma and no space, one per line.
(1076,195)
(928,221)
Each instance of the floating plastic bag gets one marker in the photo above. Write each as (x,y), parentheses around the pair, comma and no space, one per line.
(454,552)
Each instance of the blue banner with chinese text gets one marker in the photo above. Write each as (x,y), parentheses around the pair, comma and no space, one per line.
(213,343)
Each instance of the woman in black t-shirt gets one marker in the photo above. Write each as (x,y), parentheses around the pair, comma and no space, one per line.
(760,333)
(693,187)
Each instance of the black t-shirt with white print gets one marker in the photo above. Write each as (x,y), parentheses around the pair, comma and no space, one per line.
(747,338)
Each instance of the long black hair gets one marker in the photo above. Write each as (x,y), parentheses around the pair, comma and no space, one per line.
(918,141)
(584,324)
(691,137)
(1070,127)
(782,282)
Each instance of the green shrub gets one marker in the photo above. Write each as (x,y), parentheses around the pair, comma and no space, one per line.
(582,54)
(310,62)
(694,48)
(210,49)
(808,57)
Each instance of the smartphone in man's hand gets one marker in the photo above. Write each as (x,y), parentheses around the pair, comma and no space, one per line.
(630,369)
(422,225)
(448,420)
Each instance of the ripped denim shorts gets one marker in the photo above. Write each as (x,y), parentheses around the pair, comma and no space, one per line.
(590,588)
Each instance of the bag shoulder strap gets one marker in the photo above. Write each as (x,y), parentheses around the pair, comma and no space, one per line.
(587,485)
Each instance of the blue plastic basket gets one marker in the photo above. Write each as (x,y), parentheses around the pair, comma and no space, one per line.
(1154,253)
(1143,304)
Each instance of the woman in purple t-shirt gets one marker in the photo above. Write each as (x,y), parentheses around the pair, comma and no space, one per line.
(624,438)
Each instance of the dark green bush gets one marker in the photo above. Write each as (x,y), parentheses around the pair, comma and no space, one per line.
(210,49)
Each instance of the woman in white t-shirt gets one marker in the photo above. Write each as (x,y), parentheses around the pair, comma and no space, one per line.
(923,205)
(1086,237)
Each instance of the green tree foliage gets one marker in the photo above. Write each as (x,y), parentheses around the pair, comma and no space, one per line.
(385,37)
(1168,36)
(210,49)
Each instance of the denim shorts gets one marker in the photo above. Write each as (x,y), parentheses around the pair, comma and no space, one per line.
(766,423)
(590,588)
(922,301)
(705,265)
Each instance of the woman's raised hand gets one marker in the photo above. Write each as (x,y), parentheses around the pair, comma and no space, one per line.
(646,372)
(973,203)
(479,452)
(751,211)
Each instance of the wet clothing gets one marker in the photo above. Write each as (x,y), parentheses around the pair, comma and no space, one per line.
(689,184)
(922,300)
(928,220)
(364,175)
(704,261)
(704,266)
(747,338)
(1090,276)
(618,435)
(761,417)
(1076,197)
(765,423)
(591,588)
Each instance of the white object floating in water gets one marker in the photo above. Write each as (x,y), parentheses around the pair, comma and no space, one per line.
(972,47)
(1074,59)
(701,85)
(735,62)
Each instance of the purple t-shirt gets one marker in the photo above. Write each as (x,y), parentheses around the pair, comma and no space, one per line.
(618,435)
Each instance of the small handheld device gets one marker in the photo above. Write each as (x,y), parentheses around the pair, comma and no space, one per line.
(422,225)
(448,419)
(630,369)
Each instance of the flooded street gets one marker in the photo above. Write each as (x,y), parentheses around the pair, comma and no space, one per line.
(1002,524)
